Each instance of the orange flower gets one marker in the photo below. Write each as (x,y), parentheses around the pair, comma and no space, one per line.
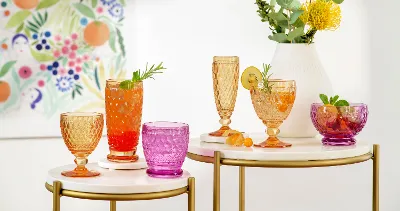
(7,13)
(4,46)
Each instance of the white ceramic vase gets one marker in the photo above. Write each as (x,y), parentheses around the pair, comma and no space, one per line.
(300,62)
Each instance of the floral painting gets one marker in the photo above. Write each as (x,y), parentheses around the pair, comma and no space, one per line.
(55,55)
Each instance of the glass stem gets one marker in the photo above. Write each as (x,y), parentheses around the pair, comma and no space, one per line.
(224,121)
(272,129)
(81,162)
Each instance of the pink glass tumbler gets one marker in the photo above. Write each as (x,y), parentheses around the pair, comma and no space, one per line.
(165,145)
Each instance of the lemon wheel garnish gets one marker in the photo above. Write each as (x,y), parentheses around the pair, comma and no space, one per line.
(251,76)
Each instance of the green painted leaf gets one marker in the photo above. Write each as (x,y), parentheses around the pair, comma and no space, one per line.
(279,37)
(324,98)
(46,15)
(32,29)
(338,1)
(123,2)
(34,26)
(96,77)
(41,19)
(42,57)
(297,32)
(85,10)
(36,20)
(20,28)
(18,18)
(295,16)
(277,16)
(94,3)
(27,32)
(46,4)
(112,41)
(121,42)
(284,3)
(6,67)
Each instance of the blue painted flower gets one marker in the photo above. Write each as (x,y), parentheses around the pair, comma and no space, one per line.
(117,11)
(76,77)
(56,64)
(64,83)
(71,72)
(108,2)
(4,4)
(35,36)
(84,21)
(47,34)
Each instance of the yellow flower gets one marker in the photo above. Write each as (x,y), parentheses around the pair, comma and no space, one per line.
(321,14)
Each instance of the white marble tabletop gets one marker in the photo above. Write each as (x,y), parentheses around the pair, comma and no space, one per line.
(302,149)
(116,181)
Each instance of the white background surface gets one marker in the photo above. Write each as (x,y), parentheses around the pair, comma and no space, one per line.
(361,58)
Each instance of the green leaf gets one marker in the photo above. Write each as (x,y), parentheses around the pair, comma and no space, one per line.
(32,29)
(6,67)
(338,1)
(127,84)
(27,32)
(42,57)
(121,42)
(84,10)
(324,99)
(298,23)
(342,103)
(94,3)
(41,19)
(277,16)
(46,4)
(73,94)
(284,3)
(295,15)
(20,28)
(297,32)
(18,18)
(112,41)
(279,37)
(295,5)
(334,99)
(46,15)
(34,26)
(96,77)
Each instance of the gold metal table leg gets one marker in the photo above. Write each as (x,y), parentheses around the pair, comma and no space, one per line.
(56,195)
(242,182)
(191,194)
(113,206)
(217,166)
(375,187)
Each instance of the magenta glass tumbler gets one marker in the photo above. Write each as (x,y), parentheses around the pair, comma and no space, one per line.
(339,124)
(165,145)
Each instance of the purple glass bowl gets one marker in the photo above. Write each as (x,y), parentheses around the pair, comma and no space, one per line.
(339,124)
(165,145)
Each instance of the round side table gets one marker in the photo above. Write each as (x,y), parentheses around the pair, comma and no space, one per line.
(118,185)
(304,153)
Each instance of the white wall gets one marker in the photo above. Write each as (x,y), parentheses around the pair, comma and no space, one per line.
(360,58)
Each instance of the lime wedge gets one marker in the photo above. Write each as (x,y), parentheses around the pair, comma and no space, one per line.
(251,76)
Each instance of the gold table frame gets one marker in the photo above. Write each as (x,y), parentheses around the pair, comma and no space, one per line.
(57,191)
(218,161)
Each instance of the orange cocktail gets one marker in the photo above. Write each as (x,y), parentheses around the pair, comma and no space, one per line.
(123,119)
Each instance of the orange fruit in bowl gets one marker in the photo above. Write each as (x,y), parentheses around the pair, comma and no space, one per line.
(326,113)
(96,33)
(26,4)
(236,139)
(5,91)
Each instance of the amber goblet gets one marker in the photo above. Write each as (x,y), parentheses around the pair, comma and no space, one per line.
(273,106)
(225,80)
(81,132)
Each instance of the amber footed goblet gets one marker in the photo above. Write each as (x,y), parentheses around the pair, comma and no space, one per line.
(225,74)
(273,106)
(81,132)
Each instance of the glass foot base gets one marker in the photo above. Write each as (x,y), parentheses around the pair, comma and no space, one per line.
(122,159)
(273,142)
(219,132)
(338,141)
(80,173)
(164,173)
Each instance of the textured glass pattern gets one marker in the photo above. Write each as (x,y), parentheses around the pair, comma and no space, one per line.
(339,124)
(273,108)
(225,73)
(165,145)
(123,119)
(81,133)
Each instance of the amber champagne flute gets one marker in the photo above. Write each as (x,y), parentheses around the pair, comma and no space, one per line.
(225,74)
(81,132)
(273,107)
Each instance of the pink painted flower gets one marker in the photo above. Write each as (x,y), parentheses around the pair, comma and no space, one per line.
(72,55)
(74,36)
(74,47)
(99,10)
(71,64)
(56,53)
(67,42)
(43,67)
(41,83)
(62,71)
(78,60)
(25,72)
(58,38)
(65,50)
(78,69)
(86,57)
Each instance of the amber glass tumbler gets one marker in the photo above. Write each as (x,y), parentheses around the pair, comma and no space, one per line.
(225,74)
(81,132)
(123,119)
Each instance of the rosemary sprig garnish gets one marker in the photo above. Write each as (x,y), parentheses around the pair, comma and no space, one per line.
(265,79)
(138,76)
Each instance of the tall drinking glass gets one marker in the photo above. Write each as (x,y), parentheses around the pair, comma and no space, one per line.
(123,119)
